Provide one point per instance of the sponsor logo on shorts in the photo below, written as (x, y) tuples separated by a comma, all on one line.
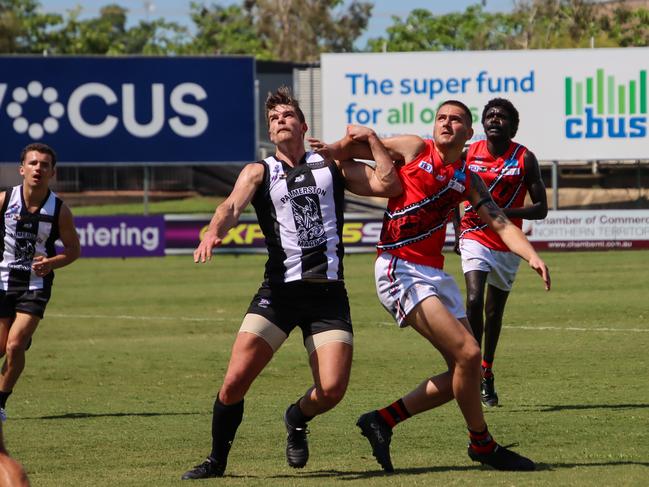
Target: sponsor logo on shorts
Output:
[(264, 303)]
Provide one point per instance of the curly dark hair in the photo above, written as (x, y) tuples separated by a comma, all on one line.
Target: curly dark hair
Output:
[(283, 96), (38, 147), (506, 105)]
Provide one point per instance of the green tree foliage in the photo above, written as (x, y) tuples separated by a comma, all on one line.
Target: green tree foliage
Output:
[(533, 24), (469, 30), (627, 28), (299, 30), (24, 29), (225, 30), (287, 30)]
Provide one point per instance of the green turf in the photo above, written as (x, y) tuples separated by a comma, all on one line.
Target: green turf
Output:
[(119, 383), (197, 204)]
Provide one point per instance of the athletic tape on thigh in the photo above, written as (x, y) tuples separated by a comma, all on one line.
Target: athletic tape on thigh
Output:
[(319, 339), (260, 326)]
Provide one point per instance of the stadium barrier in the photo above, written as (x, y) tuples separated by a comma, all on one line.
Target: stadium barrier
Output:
[(158, 235)]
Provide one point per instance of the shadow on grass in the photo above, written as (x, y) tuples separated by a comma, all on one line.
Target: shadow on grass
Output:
[(548, 408), (364, 474), (104, 415), (356, 475), (557, 466)]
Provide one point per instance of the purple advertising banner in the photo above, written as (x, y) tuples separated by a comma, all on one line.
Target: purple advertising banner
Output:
[(121, 236), (183, 233)]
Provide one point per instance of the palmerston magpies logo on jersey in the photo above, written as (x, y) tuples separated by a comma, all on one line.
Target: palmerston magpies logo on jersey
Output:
[(24, 254), (310, 230)]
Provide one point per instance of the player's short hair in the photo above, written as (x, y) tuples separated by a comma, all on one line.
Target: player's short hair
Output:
[(38, 147), (506, 105), (465, 109), (283, 96)]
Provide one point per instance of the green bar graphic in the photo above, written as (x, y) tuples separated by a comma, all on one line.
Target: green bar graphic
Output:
[(622, 98), (632, 95), (579, 98), (611, 95), (600, 91), (589, 91), (568, 96), (643, 91)]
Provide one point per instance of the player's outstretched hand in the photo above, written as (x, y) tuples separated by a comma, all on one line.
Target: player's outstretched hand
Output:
[(203, 252), (320, 147), (359, 133), (542, 270)]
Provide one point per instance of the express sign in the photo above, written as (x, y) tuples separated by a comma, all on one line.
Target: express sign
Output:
[(105, 110)]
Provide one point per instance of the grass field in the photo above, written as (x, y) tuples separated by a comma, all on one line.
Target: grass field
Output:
[(119, 383)]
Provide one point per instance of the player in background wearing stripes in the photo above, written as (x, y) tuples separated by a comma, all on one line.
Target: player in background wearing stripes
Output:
[(415, 290), (510, 171), (33, 218), (298, 197)]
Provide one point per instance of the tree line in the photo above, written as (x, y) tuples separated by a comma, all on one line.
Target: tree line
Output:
[(299, 30)]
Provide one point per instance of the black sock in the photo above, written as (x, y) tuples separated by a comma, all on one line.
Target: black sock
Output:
[(296, 417), (225, 421), (3, 398)]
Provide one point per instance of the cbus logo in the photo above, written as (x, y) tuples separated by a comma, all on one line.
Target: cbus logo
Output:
[(597, 108), (36, 109)]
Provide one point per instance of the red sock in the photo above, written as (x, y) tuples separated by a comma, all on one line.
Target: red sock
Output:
[(394, 413), (482, 442), (486, 368)]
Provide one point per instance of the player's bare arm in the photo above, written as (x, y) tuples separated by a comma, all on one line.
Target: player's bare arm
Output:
[(538, 210), (71, 247), (401, 148), (511, 235), (227, 213), (361, 179)]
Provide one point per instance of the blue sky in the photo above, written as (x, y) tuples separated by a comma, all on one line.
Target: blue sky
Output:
[(178, 10)]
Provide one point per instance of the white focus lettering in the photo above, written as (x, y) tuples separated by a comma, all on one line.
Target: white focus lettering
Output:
[(74, 110), (157, 111), (190, 110)]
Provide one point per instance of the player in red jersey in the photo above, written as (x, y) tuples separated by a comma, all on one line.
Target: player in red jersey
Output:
[(509, 171), (413, 287)]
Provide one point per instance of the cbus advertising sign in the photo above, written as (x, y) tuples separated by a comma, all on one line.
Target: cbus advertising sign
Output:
[(129, 109), (588, 104)]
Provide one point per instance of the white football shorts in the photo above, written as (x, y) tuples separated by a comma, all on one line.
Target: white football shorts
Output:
[(401, 285), (501, 266)]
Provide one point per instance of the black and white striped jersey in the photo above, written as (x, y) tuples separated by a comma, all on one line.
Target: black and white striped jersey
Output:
[(24, 236), (300, 212)]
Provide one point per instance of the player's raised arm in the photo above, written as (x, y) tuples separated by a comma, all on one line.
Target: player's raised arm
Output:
[(360, 178), (400, 148), (510, 234), (227, 213)]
